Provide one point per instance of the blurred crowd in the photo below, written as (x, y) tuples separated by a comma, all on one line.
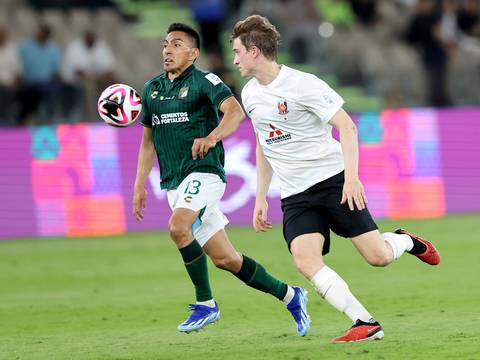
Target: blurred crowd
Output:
[(438, 30), (40, 84), (409, 52)]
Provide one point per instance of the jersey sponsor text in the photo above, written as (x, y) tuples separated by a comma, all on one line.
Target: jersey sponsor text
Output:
[(170, 118)]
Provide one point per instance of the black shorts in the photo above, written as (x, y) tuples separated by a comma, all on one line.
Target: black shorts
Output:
[(318, 210)]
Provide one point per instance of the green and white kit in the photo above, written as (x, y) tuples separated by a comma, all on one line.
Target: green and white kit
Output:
[(201, 192)]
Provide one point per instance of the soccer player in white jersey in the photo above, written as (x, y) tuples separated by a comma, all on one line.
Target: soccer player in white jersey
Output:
[(293, 113)]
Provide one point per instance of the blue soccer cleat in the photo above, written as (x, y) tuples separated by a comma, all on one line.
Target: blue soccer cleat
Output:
[(298, 308), (201, 316)]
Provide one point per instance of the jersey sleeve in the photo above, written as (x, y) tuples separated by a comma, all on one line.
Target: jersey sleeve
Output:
[(215, 89), (246, 106), (146, 116), (244, 98), (319, 98)]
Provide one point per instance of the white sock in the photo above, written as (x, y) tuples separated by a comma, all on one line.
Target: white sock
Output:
[(335, 290), (399, 243), (209, 303), (289, 295)]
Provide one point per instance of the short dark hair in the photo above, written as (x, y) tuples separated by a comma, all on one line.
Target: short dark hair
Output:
[(191, 32)]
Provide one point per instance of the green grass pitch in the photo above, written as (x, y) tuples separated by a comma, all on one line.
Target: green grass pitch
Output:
[(122, 298)]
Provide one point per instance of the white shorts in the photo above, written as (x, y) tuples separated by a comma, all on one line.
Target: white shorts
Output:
[(201, 191)]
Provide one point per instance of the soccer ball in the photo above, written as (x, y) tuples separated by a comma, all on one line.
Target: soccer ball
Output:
[(119, 105)]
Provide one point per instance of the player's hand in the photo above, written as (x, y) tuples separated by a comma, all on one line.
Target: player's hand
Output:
[(201, 146), (260, 219), (354, 194), (139, 203)]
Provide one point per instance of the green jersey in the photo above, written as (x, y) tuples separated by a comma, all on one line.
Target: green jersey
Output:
[(178, 112)]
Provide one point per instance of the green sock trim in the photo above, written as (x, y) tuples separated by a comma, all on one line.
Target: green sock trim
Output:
[(198, 258), (196, 264), (254, 275), (191, 252), (248, 269)]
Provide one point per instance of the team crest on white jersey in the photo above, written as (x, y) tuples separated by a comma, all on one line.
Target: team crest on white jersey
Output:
[(282, 107)]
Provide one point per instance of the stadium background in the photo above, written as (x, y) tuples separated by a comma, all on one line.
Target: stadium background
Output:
[(68, 175), (77, 179)]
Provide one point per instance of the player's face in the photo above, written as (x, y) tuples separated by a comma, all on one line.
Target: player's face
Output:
[(178, 52), (243, 59)]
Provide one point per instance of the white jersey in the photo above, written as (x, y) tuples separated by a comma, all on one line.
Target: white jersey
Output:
[(290, 117)]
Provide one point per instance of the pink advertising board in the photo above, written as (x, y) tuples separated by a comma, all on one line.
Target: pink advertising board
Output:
[(75, 180)]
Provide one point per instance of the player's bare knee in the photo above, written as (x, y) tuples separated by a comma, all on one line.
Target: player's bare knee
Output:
[(379, 259), (179, 232), (228, 262), (303, 268), (306, 263)]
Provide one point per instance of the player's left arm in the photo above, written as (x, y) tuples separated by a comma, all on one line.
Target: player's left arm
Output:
[(233, 115), (353, 191)]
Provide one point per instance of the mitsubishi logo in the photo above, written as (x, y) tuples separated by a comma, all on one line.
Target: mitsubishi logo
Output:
[(274, 131)]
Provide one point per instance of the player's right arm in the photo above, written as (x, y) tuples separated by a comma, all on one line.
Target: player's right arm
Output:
[(233, 115), (264, 177), (146, 158)]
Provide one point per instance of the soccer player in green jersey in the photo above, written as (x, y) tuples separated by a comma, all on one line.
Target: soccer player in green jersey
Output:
[(182, 130)]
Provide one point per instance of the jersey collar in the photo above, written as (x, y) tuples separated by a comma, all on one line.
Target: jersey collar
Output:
[(275, 81)]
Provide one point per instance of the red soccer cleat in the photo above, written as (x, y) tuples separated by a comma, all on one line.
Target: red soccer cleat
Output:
[(431, 256), (361, 331)]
